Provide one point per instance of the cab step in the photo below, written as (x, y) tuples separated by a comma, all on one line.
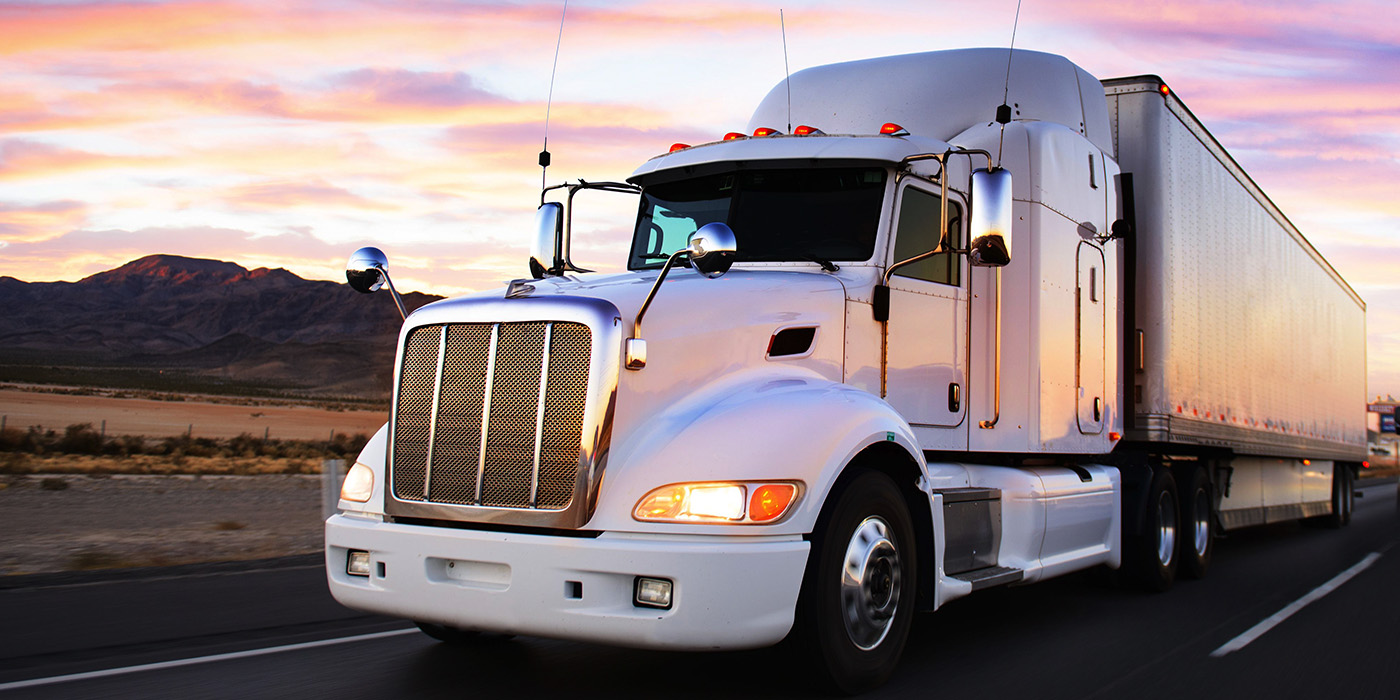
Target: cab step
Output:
[(990, 576)]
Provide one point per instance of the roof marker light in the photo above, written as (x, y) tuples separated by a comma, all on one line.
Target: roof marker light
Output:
[(893, 129), (733, 135), (765, 131), (678, 146), (805, 130), (1164, 89)]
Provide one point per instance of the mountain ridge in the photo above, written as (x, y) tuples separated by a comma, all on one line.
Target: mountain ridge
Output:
[(210, 319)]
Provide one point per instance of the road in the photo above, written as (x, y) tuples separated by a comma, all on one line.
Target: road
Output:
[(274, 632)]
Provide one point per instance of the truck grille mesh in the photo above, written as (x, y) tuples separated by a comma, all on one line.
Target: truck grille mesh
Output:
[(461, 384)]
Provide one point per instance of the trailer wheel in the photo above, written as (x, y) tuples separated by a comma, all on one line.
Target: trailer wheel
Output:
[(1343, 497), (1152, 558), (1197, 526), (857, 600)]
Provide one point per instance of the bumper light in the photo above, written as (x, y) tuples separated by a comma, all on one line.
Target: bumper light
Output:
[(652, 593), (752, 503), (357, 563), (359, 484)]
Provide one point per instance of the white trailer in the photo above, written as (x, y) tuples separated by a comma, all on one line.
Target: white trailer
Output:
[(862, 399)]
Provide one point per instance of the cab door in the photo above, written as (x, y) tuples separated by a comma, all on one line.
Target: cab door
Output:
[(926, 349)]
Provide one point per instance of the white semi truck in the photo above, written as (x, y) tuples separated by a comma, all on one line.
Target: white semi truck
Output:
[(853, 397)]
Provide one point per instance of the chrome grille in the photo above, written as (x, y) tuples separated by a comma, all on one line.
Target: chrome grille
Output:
[(491, 414)]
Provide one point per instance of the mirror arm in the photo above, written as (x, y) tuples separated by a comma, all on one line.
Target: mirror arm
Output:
[(670, 262), (394, 292)]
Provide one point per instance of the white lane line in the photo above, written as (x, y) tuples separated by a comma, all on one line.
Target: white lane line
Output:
[(202, 659), (1258, 630)]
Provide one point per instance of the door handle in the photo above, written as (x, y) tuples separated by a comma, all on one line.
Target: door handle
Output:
[(954, 398)]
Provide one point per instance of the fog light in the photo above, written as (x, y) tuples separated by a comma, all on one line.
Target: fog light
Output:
[(652, 593), (357, 564)]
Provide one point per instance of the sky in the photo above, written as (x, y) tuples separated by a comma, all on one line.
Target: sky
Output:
[(288, 133)]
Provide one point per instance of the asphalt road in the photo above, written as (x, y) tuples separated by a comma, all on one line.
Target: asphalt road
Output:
[(276, 633)]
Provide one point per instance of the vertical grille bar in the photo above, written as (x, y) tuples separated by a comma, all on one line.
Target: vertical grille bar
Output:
[(486, 406), (433, 414), (539, 415)]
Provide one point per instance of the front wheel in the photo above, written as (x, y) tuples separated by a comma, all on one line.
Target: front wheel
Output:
[(857, 600)]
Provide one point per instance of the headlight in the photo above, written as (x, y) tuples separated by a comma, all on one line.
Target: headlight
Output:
[(718, 502), (359, 484)]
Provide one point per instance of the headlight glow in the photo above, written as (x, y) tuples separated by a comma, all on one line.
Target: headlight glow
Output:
[(359, 484), (718, 502)]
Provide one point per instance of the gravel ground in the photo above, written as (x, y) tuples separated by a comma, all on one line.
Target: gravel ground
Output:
[(64, 522)]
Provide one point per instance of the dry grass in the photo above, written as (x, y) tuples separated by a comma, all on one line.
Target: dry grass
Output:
[(159, 464)]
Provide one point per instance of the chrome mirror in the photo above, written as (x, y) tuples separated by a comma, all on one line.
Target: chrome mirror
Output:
[(544, 247), (365, 270), (368, 270), (990, 222), (712, 249)]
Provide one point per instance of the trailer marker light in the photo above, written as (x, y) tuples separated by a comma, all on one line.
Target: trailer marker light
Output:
[(1307, 462), (678, 147), (357, 563), (1115, 437), (893, 129), (765, 131), (805, 130), (733, 135), (652, 593), (1366, 465)]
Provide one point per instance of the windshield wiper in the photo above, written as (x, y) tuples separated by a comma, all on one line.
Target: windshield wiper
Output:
[(823, 262)]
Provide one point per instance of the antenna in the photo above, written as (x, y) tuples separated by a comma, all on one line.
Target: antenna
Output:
[(1004, 111), (544, 154), (787, 72)]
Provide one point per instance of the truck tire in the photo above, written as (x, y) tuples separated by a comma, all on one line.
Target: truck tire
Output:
[(1343, 498), (858, 594), (454, 636), (1151, 560), (1197, 531)]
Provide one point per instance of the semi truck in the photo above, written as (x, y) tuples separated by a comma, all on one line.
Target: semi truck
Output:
[(964, 326)]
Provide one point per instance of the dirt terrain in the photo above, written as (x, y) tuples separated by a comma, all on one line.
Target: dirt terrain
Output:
[(127, 416), (65, 522)]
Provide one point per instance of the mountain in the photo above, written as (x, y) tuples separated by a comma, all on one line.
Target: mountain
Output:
[(208, 320)]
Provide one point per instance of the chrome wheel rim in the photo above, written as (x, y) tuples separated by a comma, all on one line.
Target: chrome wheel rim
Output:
[(1166, 528), (870, 574), (1202, 515)]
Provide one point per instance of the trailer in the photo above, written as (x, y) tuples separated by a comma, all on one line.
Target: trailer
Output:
[(927, 343)]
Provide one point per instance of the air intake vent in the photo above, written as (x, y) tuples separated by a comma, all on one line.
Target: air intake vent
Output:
[(791, 341)]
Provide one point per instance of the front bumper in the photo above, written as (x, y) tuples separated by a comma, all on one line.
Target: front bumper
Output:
[(729, 592)]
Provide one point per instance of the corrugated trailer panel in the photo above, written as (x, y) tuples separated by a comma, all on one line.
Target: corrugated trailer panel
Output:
[(1251, 340)]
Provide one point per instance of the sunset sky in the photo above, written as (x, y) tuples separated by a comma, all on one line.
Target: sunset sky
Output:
[(288, 133)]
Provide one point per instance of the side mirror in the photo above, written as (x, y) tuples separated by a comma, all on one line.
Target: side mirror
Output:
[(712, 249), (365, 270), (368, 270), (544, 248), (990, 223)]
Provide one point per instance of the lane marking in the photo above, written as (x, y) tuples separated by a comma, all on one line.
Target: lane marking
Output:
[(203, 659), (1258, 630)]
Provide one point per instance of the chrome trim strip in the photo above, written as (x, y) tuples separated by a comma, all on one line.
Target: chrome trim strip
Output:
[(539, 413), (486, 406), (432, 417)]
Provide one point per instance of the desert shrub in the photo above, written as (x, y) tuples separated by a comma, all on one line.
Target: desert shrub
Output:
[(80, 439)]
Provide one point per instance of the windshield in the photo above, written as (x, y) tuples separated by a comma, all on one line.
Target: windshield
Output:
[(777, 214)]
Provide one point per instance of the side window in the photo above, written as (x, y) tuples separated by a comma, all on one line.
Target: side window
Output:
[(917, 232)]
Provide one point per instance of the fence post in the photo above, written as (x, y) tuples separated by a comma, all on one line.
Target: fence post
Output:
[(332, 474)]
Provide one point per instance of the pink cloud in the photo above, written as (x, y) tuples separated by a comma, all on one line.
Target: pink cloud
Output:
[(287, 195)]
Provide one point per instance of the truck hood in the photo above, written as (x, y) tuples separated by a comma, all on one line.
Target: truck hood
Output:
[(703, 335)]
